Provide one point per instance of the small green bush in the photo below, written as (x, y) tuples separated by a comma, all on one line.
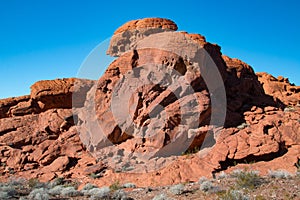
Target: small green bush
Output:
[(248, 179), (115, 186), (34, 183)]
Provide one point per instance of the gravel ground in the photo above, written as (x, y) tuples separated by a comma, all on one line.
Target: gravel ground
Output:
[(236, 186)]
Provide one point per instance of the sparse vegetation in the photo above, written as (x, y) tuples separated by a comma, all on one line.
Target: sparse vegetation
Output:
[(202, 179), (161, 197), (129, 185), (39, 194), (177, 189), (233, 195), (33, 182), (239, 185), (115, 186), (98, 193), (222, 175), (248, 179), (7, 192), (89, 186), (55, 191), (206, 186), (119, 195), (281, 174), (70, 192)]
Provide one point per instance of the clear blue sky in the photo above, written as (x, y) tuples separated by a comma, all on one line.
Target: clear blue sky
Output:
[(49, 39)]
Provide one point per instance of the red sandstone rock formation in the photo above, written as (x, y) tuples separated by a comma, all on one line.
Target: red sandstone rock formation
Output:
[(53, 132)]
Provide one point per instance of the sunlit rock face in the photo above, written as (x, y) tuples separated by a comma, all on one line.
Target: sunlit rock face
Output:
[(166, 94)]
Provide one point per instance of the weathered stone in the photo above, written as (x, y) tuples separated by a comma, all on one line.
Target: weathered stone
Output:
[(42, 136)]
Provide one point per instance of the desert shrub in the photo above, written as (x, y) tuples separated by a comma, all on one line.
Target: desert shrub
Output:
[(56, 190), (70, 192), (56, 182), (119, 195), (233, 195), (10, 191), (115, 186), (235, 173), (35, 183), (281, 174), (16, 181), (85, 190), (222, 175), (89, 186), (160, 197), (202, 179), (59, 181), (74, 184), (98, 193), (39, 194), (248, 179), (4, 195), (205, 186), (129, 185), (177, 189)]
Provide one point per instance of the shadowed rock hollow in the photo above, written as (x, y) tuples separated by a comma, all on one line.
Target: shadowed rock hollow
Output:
[(153, 103)]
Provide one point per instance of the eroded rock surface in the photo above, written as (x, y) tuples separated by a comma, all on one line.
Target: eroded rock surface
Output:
[(280, 88), (152, 104)]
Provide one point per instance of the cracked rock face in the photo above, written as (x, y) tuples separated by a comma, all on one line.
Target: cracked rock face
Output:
[(151, 104)]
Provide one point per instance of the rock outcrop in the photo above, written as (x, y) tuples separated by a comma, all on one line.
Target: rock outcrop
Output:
[(280, 88), (126, 36), (166, 95)]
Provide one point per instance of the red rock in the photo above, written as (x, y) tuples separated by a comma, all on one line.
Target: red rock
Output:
[(6, 104), (94, 169), (147, 23), (58, 93), (58, 165), (280, 89), (40, 138)]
